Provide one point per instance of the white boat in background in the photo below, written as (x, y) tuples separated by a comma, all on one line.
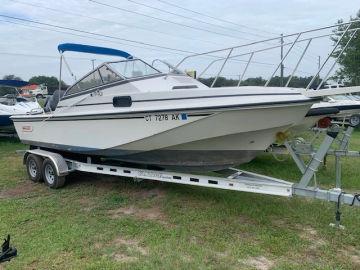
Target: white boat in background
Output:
[(348, 106), (12, 104), (332, 109)]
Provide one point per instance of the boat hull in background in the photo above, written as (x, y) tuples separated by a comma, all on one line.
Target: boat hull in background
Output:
[(6, 111), (6, 125)]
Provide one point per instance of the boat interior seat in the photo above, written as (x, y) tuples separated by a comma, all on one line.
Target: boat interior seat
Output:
[(21, 99), (51, 102)]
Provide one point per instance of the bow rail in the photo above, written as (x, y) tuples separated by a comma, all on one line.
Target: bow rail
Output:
[(316, 33)]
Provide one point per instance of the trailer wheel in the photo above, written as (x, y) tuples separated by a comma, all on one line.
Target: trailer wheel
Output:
[(34, 167), (50, 175), (354, 120)]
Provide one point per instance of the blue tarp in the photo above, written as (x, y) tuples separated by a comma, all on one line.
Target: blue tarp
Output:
[(92, 49), (13, 83)]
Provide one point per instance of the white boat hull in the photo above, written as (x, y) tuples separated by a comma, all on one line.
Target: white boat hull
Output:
[(194, 139)]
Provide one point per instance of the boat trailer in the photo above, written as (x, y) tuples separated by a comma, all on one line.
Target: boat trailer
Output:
[(298, 148), (53, 168)]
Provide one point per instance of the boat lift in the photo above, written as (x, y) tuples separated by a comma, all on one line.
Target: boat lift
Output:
[(53, 168)]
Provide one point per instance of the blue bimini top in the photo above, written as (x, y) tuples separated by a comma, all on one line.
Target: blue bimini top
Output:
[(72, 47), (13, 83)]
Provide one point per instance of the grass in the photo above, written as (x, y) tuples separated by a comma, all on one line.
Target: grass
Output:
[(99, 222)]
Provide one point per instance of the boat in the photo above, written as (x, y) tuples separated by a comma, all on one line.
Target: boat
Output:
[(316, 117), (344, 109), (348, 106), (129, 111), (12, 104)]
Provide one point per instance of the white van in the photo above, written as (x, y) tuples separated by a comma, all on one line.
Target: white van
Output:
[(40, 92)]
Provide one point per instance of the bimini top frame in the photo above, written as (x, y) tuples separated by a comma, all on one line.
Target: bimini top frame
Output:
[(298, 39), (73, 47)]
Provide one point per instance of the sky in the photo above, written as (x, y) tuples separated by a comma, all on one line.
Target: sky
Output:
[(28, 49)]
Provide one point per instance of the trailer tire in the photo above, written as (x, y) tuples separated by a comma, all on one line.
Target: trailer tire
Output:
[(51, 178), (34, 167), (355, 120)]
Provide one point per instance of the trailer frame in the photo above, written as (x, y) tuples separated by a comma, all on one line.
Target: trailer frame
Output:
[(235, 179)]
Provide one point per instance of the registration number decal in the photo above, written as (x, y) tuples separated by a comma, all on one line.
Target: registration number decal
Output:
[(166, 117)]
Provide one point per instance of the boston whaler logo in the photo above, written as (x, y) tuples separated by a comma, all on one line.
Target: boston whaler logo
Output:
[(27, 129)]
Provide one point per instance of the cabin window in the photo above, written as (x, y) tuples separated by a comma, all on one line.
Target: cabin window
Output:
[(124, 101), (90, 81), (133, 68), (108, 75)]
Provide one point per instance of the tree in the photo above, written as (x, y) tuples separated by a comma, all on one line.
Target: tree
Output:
[(349, 61), (52, 82), (12, 77)]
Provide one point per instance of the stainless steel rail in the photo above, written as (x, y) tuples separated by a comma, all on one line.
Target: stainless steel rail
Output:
[(297, 40)]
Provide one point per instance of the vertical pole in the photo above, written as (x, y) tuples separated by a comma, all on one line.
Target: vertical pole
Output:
[(61, 58), (319, 65), (282, 63), (338, 170), (93, 63)]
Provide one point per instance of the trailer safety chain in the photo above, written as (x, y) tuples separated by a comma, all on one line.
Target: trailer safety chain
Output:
[(356, 197), (277, 158)]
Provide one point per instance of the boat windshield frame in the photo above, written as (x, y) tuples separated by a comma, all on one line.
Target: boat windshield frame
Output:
[(108, 65), (132, 60)]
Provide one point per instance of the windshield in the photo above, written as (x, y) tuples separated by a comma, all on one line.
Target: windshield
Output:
[(7, 95), (340, 97), (356, 97), (133, 68)]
